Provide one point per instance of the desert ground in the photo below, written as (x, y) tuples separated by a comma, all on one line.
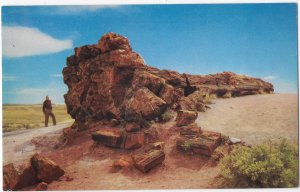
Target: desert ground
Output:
[(22, 117), (254, 119)]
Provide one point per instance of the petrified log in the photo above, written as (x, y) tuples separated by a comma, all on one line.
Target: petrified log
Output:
[(134, 140), (204, 146), (185, 117), (146, 161), (47, 170), (190, 131), (107, 80), (211, 135), (108, 137)]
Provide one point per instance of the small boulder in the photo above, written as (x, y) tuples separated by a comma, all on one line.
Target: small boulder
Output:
[(123, 162), (17, 177), (148, 160), (190, 131), (134, 140), (211, 135), (185, 117), (47, 170), (41, 186), (109, 137)]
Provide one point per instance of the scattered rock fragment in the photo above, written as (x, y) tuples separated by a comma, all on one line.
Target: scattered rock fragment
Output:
[(185, 117), (123, 162), (108, 137), (190, 131), (134, 140), (17, 177), (47, 171), (149, 157), (233, 140)]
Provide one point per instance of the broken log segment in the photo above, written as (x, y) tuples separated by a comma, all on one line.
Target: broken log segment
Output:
[(108, 137), (146, 161)]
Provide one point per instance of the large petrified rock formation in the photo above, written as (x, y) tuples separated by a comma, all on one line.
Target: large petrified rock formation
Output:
[(110, 81)]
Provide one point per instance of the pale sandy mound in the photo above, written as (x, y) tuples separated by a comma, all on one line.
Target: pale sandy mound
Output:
[(255, 118)]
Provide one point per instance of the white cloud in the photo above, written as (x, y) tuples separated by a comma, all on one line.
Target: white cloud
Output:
[(76, 9), (21, 41), (270, 77), (8, 77), (56, 75)]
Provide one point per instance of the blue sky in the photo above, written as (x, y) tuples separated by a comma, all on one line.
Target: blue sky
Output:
[(258, 40)]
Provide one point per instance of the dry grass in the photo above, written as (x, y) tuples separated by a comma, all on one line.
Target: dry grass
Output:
[(18, 117)]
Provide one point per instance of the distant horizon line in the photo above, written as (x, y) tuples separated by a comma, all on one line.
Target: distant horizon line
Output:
[(296, 93)]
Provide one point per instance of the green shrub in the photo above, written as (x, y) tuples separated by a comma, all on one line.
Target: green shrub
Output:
[(208, 98), (167, 116), (265, 165)]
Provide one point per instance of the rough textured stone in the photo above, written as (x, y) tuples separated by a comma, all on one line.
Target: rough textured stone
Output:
[(148, 159), (134, 140), (123, 162), (190, 131), (108, 80), (17, 177), (47, 170), (146, 103), (108, 137), (185, 117)]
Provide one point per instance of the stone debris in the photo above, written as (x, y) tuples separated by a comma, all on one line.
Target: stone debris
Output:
[(17, 177), (46, 170), (149, 156), (185, 117), (109, 137), (28, 173), (202, 144), (233, 140)]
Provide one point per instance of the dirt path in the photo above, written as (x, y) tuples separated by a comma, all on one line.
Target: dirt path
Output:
[(17, 145)]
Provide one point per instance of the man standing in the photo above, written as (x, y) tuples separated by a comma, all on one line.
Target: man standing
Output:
[(47, 109)]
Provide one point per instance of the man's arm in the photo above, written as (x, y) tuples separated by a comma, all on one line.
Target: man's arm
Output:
[(44, 107)]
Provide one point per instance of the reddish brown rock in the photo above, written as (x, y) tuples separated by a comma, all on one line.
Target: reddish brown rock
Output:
[(41, 186), (47, 170), (146, 103), (113, 41), (190, 131), (107, 80), (170, 95), (134, 140), (148, 160), (108, 137), (123, 162), (211, 135), (185, 117), (197, 145), (17, 177)]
